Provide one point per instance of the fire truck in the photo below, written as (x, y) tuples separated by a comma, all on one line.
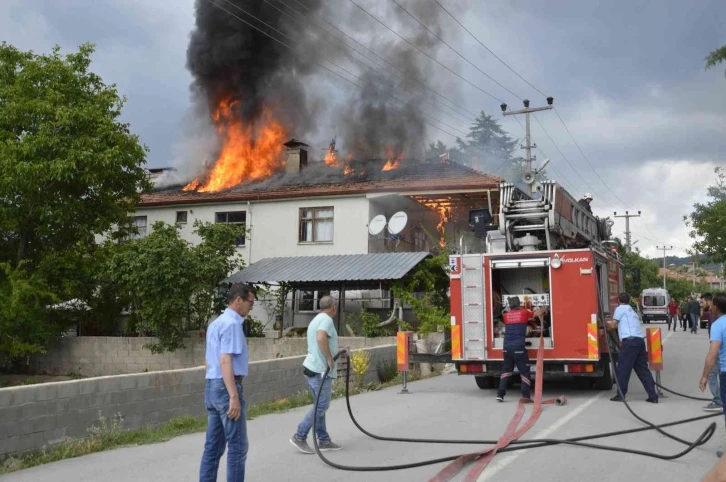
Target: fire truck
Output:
[(551, 252)]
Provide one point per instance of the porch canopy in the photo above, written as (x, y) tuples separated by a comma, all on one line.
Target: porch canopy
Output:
[(359, 270), (344, 272)]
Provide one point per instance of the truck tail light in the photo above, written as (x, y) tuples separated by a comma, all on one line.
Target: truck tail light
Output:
[(473, 368), (583, 368)]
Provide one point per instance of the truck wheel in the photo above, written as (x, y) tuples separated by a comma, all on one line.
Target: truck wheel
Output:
[(605, 382), (486, 382)]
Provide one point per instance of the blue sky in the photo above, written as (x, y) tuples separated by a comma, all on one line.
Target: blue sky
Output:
[(628, 79)]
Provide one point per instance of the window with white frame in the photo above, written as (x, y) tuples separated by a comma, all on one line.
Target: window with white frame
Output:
[(232, 217), (316, 225), (309, 300)]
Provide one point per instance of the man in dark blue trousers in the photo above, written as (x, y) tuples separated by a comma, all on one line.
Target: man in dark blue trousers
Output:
[(633, 355)]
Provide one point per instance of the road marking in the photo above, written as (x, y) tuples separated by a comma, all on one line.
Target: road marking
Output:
[(508, 459), (503, 462)]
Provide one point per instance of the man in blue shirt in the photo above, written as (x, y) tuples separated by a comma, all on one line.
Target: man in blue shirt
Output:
[(717, 349), (632, 351), (227, 363)]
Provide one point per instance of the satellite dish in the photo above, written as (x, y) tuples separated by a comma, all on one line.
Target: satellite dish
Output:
[(538, 187), (397, 223), (377, 224)]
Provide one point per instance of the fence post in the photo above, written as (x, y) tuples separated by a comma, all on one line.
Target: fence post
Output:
[(403, 350)]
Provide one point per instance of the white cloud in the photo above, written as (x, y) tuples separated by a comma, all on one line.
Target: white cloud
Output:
[(664, 192)]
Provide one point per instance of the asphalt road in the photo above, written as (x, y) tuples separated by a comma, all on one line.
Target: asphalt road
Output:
[(449, 406)]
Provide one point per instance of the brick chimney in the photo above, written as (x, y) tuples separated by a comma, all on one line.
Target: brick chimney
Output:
[(297, 156)]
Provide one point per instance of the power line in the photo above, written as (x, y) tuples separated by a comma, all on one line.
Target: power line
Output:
[(542, 93), (607, 186), (488, 49), (424, 53), (454, 50), (588, 160), (567, 160), (318, 63)]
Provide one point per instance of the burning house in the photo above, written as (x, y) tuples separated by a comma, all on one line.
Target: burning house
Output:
[(314, 208)]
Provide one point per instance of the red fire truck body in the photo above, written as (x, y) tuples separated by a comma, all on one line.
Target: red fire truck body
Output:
[(567, 278)]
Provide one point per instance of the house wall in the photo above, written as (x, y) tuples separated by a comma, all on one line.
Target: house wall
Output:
[(274, 225), (35, 416), (104, 355), (419, 217)]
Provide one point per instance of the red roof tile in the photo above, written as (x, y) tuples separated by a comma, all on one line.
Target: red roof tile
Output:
[(321, 180)]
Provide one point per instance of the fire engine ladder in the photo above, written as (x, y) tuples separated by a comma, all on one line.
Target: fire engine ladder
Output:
[(474, 314), (520, 213)]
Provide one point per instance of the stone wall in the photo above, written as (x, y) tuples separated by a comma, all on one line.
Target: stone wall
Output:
[(35, 416), (101, 355)]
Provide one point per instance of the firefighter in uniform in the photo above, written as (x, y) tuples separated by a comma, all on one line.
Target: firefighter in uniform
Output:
[(516, 320)]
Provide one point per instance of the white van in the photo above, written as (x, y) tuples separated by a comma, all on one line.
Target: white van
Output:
[(654, 304)]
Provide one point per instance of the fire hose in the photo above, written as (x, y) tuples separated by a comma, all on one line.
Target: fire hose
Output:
[(509, 442)]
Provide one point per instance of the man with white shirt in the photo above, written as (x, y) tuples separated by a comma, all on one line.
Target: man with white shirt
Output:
[(633, 355)]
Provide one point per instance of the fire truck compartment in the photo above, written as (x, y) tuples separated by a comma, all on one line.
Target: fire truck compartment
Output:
[(529, 280)]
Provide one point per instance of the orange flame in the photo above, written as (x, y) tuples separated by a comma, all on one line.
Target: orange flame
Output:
[(249, 151), (330, 158), (443, 218), (391, 165), (347, 170), (392, 162)]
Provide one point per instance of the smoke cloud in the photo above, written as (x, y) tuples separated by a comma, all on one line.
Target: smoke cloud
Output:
[(232, 60)]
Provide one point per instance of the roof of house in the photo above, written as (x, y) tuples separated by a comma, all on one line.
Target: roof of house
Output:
[(321, 180), (332, 269)]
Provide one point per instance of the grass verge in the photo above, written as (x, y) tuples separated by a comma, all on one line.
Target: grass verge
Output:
[(110, 434)]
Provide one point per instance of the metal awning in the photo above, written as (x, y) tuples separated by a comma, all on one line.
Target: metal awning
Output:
[(344, 268)]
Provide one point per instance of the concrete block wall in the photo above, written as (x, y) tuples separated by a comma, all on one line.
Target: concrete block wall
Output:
[(100, 356), (35, 416)]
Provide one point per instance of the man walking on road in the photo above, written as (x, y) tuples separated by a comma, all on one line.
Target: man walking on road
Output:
[(717, 348), (694, 314), (716, 404), (632, 352), (673, 314), (227, 363), (516, 321), (322, 346)]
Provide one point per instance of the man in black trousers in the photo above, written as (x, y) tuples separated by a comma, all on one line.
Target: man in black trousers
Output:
[(632, 352)]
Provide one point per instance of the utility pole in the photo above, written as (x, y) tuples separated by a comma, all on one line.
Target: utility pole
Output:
[(627, 226), (694, 275), (664, 262), (529, 174)]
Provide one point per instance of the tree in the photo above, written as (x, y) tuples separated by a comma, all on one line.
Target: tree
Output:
[(174, 286), (706, 222), (486, 147), (716, 57), (425, 290), (71, 171), (216, 258)]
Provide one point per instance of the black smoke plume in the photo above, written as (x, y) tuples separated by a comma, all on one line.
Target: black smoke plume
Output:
[(233, 60)]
